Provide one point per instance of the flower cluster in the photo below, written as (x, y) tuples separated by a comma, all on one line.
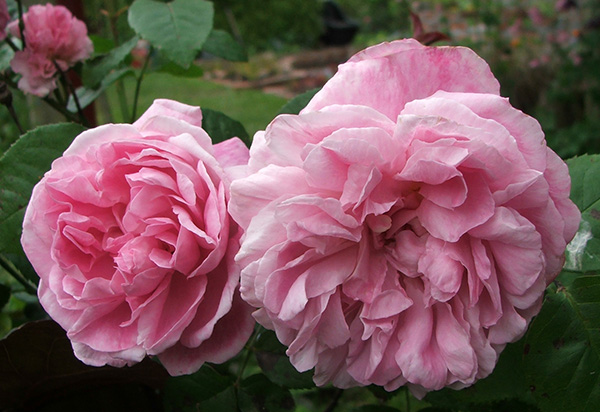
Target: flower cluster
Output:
[(55, 40), (400, 230)]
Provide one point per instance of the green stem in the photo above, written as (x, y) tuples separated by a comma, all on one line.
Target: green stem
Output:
[(112, 21), (6, 99), (407, 393), (247, 355), (123, 105), (334, 401), (11, 44), (21, 24), (51, 102), (13, 114), (71, 90), (59, 108), (15, 273), (138, 85)]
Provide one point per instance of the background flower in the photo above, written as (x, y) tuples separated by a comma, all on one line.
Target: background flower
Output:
[(402, 229), (4, 19), (130, 235), (52, 37)]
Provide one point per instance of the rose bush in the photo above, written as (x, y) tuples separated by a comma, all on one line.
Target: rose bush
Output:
[(402, 228), (130, 235), (53, 37)]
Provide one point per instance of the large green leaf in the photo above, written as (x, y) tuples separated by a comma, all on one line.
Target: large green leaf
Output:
[(271, 357), (505, 382), (183, 393), (298, 103), (97, 70), (257, 393), (21, 167), (6, 55), (221, 127), (87, 95), (583, 253), (178, 28), (563, 358), (221, 44), (562, 361)]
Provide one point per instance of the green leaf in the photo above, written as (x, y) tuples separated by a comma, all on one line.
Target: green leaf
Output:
[(222, 44), (562, 361), (271, 357), (225, 401), (178, 28), (298, 103), (562, 364), (6, 55), (257, 393), (193, 71), (95, 72), (506, 381), (221, 127), (23, 265), (21, 167), (186, 392), (87, 95), (102, 45), (583, 253)]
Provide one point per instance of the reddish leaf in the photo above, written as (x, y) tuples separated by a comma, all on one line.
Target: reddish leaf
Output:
[(423, 37)]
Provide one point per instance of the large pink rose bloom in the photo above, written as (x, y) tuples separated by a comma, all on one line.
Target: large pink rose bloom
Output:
[(130, 235), (52, 37), (402, 229), (4, 19)]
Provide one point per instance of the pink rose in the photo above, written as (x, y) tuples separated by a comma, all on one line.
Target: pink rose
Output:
[(52, 36), (4, 19), (38, 73), (402, 229), (130, 235)]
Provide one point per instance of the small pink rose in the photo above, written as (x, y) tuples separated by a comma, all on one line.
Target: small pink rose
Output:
[(130, 235), (52, 36), (402, 229), (38, 73)]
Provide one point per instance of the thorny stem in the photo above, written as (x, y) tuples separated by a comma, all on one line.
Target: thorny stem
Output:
[(407, 393), (139, 84), (15, 273)]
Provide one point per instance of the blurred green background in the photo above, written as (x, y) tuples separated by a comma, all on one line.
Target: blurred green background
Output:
[(545, 54)]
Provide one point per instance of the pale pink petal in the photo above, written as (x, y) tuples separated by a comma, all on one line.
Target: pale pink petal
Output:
[(415, 72)]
